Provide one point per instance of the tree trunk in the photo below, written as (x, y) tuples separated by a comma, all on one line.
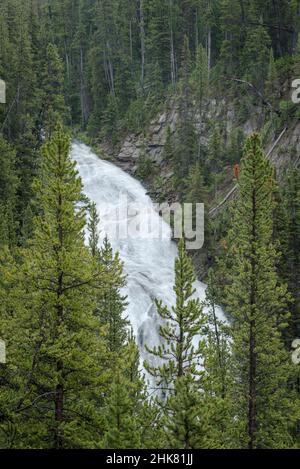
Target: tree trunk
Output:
[(130, 40), (83, 94), (172, 48), (59, 406), (209, 48), (67, 62), (143, 50), (279, 28), (220, 359), (59, 392), (252, 411)]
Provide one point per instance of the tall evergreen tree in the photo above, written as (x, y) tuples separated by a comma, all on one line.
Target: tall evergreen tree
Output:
[(257, 303), (289, 234), (272, 85), (179, 357), (93, 228), (59, 350), (54, 108), (125, 403), (186, 423), (181, 350), (256, 54), (200, 76), (8, 194), (112, 304)]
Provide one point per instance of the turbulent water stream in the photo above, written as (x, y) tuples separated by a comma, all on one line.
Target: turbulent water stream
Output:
[(148, 263)]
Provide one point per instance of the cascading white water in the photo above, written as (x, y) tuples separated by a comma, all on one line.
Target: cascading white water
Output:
[(148, 263)]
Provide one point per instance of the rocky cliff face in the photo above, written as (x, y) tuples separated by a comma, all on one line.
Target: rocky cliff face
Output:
[(151, 145), (283, 148), (287, 151)]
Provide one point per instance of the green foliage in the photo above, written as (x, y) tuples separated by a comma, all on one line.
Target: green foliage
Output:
[(215, 149), (168, 152), (93, 228), (125, 403), (110, 120), (272, 84), (8, 197), (183, 324), (185, 426), (111, 304), (256, 54), (55, 346), (72, 377), (53, 108), (257, 302), (195, 192), (186, 150), (200, 76), (288, 229), (180, 355), (145, 166), (235, 147)]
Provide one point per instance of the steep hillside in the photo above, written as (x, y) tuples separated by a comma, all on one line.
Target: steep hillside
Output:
[(282, 147)]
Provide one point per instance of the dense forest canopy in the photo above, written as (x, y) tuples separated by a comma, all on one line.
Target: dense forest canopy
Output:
[(101, 70)]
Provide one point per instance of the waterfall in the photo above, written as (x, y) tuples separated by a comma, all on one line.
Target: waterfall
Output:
[(148, 263)]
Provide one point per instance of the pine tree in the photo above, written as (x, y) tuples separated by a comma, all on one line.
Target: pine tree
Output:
[(186, 138), (93, 228), (218, 371), (215, 149), (196, 193), (296, 67), (18, 67), (200, 77), (158, 39), (112, 304), (8, 196), (11, 389), (181, 350), (207, 16), (218, 362), (53, 108), (257, 303), (190, 400), (123, 431), (186, 428), (59, 349), (168, 152), (287, 231), (186, 152), (110, 119), (288, 226), (233, 32), (154, 86), (256, 54), (125, 402), (235, 147), (185, 71), (272, 83)]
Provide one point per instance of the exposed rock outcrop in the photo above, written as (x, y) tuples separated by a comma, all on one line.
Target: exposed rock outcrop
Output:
[(150, 145)]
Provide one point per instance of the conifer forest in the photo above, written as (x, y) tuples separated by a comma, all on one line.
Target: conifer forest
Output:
[(113, 112)]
